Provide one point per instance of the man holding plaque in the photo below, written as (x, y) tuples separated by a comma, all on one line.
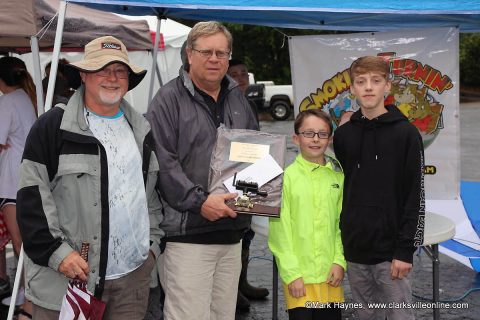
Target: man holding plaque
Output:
[(201, 261)]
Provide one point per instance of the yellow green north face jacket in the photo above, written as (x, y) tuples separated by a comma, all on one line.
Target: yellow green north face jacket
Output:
[(306, 239)]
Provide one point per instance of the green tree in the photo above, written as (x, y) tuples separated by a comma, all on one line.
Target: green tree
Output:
[(470, 59), (265, 50)]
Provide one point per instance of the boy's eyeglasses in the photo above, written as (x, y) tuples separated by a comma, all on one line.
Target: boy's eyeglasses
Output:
[(209, 53), (311, 134), (119, 73)]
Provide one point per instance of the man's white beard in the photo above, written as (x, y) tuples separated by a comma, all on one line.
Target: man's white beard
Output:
[(109, 98)]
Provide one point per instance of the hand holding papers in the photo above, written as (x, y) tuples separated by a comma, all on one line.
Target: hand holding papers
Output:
[(256, 158)]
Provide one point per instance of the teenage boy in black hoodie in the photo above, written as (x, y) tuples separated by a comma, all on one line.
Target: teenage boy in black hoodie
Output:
[(384, 199)]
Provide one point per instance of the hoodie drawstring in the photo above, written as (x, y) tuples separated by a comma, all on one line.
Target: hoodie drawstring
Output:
[(360, 152), (367, 123)]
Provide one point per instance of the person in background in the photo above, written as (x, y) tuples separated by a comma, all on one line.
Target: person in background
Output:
[(239, 72), (383, 212), (184, 57), (17, 115), (201, 261), (88, 175), (66, 82), (306, 240)]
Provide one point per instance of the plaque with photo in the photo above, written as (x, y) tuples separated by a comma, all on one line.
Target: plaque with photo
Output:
[(251, 164)]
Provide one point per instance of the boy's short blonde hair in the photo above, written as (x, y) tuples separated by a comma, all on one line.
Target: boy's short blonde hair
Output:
[(368, 64)]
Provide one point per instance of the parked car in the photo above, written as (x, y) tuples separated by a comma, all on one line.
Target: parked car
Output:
[(276, 99)]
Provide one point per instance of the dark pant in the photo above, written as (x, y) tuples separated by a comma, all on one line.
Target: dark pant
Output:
[(127, 297), (315, 314), (247, 239)]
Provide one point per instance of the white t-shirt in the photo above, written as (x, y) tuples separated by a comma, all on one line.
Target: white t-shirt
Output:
[(17, 116), (129, 240)]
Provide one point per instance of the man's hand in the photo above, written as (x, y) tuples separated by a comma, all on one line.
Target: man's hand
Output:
[(297, 288), (215, 208), (400, 269), (335, 276), (73, 266)]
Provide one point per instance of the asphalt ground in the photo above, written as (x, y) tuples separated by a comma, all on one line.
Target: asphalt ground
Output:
[(455, 281)]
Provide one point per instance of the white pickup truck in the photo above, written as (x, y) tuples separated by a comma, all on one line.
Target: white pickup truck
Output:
[(277, 99)]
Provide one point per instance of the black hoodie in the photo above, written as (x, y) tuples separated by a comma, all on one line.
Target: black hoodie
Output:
[(384, 198)]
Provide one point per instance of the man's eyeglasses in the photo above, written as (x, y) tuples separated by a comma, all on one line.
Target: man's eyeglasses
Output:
[(120, 73), (311, 134), (209, 53)]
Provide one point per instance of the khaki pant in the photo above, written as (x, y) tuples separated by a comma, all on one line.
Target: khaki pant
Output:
[(126, 297), (373, 283), (200, 280)]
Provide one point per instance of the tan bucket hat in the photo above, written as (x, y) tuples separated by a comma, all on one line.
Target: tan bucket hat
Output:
[(104, 51)]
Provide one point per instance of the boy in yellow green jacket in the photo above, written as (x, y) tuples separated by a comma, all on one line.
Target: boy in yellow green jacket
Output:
[(306, 240)]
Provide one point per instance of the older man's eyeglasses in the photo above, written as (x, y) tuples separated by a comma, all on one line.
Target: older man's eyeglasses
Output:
[(120, 73), (209, 53), (311, 134)]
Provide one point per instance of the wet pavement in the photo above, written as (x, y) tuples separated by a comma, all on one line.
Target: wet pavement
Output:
[(457, 282)]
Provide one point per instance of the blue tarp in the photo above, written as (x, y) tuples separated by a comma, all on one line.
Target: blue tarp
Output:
[(466, 251), (355, 15), (470, 192)]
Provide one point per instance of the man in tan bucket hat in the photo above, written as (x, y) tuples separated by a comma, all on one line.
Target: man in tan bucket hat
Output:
[(107, 50), (88, 176)]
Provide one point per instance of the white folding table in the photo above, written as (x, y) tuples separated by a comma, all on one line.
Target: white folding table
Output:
[(437, 229)]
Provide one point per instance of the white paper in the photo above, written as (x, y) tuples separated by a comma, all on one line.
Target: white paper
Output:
[(260, 172)]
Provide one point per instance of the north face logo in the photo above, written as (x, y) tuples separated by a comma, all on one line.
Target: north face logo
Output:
[(109, 45), (335, 185)]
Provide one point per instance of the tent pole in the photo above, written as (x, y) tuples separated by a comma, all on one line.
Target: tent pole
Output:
[(164, 56), (37, 74), (159, 76), (56, 53), (154, 60), (16, 284)]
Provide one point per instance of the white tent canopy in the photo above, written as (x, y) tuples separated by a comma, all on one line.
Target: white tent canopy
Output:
[(174, 35)]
